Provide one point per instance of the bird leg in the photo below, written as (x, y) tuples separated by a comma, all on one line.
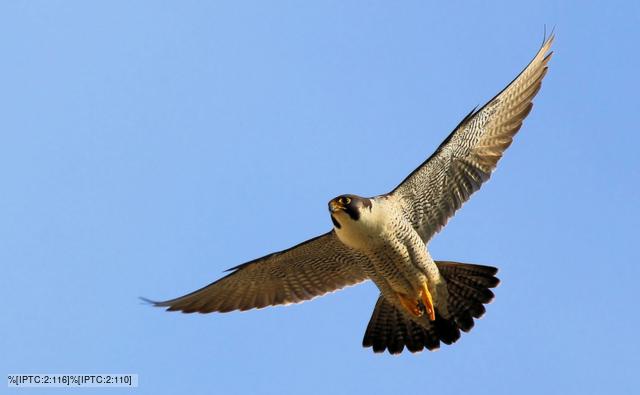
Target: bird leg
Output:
[(425, 295), (411, 305), (421, 306)]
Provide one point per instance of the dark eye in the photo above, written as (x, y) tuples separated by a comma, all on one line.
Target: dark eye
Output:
[(347, 200)]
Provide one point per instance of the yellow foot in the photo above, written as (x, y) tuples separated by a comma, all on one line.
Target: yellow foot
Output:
[(425, 295), (421, 306), (411, 305)]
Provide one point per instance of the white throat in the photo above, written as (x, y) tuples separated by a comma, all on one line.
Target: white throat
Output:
[(366, 230)]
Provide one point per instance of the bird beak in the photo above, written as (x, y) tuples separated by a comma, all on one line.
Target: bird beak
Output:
[(335, 206)]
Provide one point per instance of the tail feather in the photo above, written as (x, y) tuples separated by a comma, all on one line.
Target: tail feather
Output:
[(468, 285), (390, 329), (466, 291)]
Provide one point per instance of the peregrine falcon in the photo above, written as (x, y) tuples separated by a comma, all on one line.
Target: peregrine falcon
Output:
[(422, 302)]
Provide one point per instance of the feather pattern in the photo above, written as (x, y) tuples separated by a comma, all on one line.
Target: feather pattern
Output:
[(468, 286), (432, 193), (310, 269)]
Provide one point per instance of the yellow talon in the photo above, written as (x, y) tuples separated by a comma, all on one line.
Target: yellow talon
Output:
[(428, 302), (421, 306), (411, 305)]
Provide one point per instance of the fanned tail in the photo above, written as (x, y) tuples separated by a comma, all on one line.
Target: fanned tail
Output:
[(469, 289)]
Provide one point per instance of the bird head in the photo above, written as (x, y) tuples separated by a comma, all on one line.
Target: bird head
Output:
[(347, 208)]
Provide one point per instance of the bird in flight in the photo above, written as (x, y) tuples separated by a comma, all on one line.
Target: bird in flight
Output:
[(422, 302)]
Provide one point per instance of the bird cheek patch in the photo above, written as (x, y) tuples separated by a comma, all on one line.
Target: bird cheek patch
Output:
[(353, 212)]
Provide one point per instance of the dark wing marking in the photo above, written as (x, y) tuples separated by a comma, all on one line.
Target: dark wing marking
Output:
[(313, 268), (432, 193)]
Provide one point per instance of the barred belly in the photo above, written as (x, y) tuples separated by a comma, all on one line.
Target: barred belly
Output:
[(401, 266), (397, 267)]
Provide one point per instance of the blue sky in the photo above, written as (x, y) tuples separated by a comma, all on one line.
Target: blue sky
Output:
[(148, 146)]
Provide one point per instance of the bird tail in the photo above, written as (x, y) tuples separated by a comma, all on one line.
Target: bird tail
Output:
[(469, 288)]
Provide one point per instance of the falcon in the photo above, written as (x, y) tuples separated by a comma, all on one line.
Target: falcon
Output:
[(422, 302)]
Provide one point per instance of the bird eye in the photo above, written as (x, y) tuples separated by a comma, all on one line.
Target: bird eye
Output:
[(347, 200)]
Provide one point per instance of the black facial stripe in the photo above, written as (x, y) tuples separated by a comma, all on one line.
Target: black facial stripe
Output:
[(335, 222), (353, 211), (353, 208)]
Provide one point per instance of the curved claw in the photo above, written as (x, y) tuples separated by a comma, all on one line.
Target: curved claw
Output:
[(411, 305), (421, 306), (427, 300)]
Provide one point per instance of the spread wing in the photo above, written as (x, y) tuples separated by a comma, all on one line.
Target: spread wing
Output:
[(313, 268), (434, 191)]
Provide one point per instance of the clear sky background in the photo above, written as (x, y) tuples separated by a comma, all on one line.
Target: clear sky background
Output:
[(148, 146)]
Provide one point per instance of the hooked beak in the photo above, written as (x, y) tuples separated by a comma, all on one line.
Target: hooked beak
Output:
[(334, 206)]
